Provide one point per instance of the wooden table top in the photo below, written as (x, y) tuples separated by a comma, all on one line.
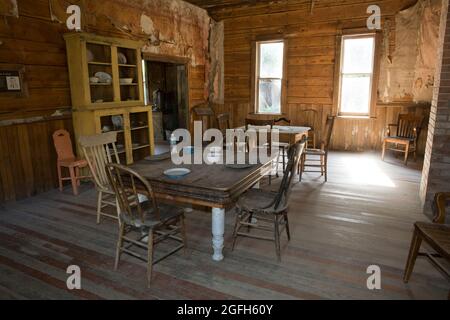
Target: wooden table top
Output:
[(288, 129), (210, 185)]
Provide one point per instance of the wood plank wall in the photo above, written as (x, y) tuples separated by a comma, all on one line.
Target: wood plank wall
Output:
[(311, 45), (27, 156)]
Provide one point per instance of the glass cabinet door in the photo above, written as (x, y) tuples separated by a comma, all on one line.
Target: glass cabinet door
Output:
[(100, 73)]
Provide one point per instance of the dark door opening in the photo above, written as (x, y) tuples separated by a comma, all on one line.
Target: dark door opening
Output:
[(166, 92)]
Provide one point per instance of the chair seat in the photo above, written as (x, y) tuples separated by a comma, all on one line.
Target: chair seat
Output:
[(397, 138), (258, 200), (73, 162), (437, 235), (314, 152), (167, 212)]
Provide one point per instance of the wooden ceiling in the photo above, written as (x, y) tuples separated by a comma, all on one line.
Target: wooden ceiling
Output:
[(222, 9)]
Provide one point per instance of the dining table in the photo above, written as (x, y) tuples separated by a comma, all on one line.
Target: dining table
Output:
[(215, 186), (288, 134)]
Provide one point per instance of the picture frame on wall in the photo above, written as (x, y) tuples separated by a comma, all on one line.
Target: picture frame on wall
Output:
[(12, 81)]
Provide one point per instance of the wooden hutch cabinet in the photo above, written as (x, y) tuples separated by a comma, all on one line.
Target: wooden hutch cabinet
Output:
[(107, 91)]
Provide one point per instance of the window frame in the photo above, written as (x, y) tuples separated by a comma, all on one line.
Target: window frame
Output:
[(256, 75), (351, 34)]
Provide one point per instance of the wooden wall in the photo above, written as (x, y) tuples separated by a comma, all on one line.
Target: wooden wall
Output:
[(311, 46), (34, 39)]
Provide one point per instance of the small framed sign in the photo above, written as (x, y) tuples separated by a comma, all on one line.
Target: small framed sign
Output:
[(11, 80)]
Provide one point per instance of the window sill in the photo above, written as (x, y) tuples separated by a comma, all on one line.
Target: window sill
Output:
[(268, 114), (367, 117)]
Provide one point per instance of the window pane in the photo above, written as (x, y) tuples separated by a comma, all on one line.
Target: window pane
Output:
[(271, 60), (270, 96), (355, 94), (358, 55)]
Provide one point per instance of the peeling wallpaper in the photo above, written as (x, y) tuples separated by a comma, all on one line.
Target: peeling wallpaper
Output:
[(169, 27), (407, 74)]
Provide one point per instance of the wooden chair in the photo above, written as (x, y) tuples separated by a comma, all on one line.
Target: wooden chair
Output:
[(223, 123), (436, 235), (407, 133), (309, 118), (100, 150), (148, 219), (205, 114), (67, 159), (268, 209), (309, 157)]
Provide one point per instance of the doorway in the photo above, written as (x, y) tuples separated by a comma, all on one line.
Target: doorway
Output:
[(167, 92)]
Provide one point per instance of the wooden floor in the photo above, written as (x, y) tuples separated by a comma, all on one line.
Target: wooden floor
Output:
[(363, 216)]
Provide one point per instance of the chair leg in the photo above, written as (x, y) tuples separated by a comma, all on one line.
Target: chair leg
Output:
[(326, 167), (321, 165), (73, 180), (150, 258), (276, 167), (413, 252), (119, 246), (383, 151), (277, 238), (183, 233), (99, 205), (60, 177), (302, 166), (284, 160), (406, 154), (77, 173), (236, 228), (288, 231)]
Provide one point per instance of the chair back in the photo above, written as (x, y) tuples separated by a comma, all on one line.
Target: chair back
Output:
[(441, 202), (294, 155), (63, 144), (258, 122), (327, 133), (409, 125), (126, 183), (100, 150), (309, 118), (223, 123), (282, 122), (205, 114)]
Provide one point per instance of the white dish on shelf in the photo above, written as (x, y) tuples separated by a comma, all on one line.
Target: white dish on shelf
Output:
[(103, 77), (117, 122), (121, 58), (126, 80), (94, 80)]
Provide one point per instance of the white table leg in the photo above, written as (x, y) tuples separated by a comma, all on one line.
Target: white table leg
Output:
[(218, 230)]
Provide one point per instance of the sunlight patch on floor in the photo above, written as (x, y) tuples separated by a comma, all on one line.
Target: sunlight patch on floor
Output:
[(366, 171)]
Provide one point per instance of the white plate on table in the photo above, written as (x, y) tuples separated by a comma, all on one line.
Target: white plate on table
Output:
[(177, 173)]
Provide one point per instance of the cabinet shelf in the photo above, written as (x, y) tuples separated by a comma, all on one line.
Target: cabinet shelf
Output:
[(139, 128), (141, 147), (94, 104), (93, 63)]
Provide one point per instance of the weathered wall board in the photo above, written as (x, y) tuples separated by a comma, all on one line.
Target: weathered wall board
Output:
[(31, 33), (311, 61)]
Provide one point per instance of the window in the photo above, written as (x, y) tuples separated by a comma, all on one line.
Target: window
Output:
[(269, 76), (356, 75)]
